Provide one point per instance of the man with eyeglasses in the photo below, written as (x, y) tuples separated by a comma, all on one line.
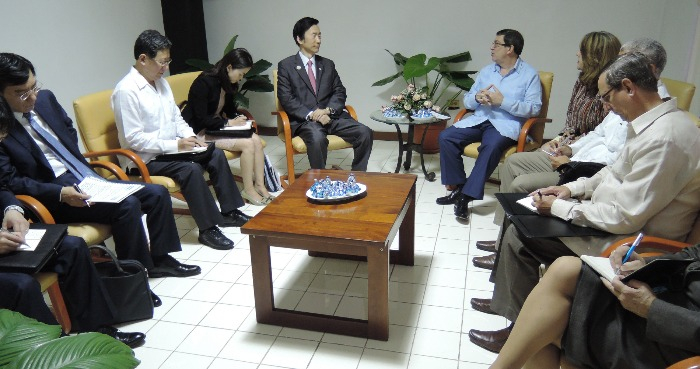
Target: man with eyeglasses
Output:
[(150, 124), (504, 95), (653, 187)]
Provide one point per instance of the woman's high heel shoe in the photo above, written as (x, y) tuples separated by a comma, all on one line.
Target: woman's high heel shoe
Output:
[(252, 200)]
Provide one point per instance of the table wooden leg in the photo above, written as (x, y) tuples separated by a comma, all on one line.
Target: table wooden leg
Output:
[(405, 254), (262, 278), (378, 293)]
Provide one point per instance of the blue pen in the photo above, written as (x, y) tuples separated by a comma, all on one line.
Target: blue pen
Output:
[(636, 243)]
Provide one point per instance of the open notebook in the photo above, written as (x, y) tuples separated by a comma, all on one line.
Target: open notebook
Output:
[(655, 272)]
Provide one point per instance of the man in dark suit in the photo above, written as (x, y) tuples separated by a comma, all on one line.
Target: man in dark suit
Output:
[(88, 303), (310, 91), (30, 166)]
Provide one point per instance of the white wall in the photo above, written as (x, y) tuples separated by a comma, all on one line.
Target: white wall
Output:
[(84, 46), (77, 46), (355, 34)]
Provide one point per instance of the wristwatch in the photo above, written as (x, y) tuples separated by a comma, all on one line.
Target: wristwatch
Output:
[(14, 207), (331, 111)]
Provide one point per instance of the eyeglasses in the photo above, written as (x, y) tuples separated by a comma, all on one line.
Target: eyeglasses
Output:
[(605, 98), (497, 44), (163, 63), (34, 90)]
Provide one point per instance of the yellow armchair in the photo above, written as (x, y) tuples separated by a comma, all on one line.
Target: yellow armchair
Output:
[(682, 91)]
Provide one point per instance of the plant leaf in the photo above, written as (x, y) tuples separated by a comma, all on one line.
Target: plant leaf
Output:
[(19, 333), (199, 64), (386, 80), (417, 67), (241, 100), (87, 350), (257, 85), (398, 58), (461, 79), (258, 67), (231, 45), (458, 58)]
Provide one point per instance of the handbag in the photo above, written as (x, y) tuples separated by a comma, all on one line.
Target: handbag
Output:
[(574, 170), (126, 283), (273, 183), (200, 157)]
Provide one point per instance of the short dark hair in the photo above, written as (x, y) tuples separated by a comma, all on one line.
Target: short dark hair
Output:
[(7, 118), (150, 42), (634, 66), (14, 70), (301, 26), (238, 59), (513, 38)]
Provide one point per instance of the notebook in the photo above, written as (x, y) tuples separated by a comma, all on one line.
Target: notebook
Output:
[(31, 261), (653, 273)]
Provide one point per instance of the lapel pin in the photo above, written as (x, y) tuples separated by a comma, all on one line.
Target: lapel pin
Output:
[(298, 67)]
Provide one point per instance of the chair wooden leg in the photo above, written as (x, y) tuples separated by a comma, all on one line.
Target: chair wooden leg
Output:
[(59, 306)]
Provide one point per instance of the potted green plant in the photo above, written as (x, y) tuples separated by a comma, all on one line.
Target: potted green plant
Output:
[(254, 80), (28, 344), (422, 92)]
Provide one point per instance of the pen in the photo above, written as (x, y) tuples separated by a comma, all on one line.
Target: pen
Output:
[(547, 152), (75, 186), (629, 252), (539, 193), (8, 231)]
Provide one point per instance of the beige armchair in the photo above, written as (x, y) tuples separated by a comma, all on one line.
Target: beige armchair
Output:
[(682, 91)]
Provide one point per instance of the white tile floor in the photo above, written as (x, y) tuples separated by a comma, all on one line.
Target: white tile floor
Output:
[(208, 321)]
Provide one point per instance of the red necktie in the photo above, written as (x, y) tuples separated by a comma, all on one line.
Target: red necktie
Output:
[(312, 78)]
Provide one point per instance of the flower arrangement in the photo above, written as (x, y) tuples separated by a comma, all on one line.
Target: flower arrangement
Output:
[(420, 102)]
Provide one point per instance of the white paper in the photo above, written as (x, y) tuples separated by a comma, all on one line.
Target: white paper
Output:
[(194, 150), (106, 191), (527, 202), (440, 116), (32, 239), (248, 125), (601, 265)]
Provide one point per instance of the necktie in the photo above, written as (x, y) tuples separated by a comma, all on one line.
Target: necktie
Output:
[(75, 166), (312, 78)]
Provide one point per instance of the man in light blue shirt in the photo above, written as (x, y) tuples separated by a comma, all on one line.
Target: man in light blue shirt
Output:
[(504, 95)]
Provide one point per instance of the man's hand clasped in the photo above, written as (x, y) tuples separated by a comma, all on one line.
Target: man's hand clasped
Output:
[(321, 115)]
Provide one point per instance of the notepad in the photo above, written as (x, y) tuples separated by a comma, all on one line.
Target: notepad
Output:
[(107, 191), (656, 272), (248, 125), (32, 239), (601, 265)]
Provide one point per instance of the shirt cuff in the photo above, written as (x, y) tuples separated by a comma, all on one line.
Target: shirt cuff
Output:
[(562, 209), (308, 116), (576, 188), (170, 146)]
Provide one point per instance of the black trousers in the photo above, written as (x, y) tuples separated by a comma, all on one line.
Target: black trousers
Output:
[(190, 177), (125, 218), (314, 136), (87, 301)]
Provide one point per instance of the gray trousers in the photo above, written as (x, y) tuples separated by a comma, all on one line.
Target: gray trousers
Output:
[(516, 271), (525, 172)]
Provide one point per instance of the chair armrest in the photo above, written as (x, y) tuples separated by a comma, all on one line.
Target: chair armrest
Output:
[(351, 111), (689, 363), (648, 243), (37, 208), (250, 117), (110, 167), (140, 165), (461, 114), (525, 131)]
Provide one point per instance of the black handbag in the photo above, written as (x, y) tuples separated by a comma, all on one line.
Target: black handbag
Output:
[(200, 157), (574, 170), (126, 283)]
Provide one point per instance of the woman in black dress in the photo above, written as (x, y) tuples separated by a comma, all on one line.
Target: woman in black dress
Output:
[(211, 105)]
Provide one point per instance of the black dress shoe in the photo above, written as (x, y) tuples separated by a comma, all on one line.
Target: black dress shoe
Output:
[(489, 246), (485, 262), (462, 206), (490, 340), (213, 238), (131, 339), (482, 305), (451, 198), (235, 218), (156, 300), (169, 267)]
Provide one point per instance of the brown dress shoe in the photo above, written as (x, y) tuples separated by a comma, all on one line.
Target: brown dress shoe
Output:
[(485, 262), (490, 340), (489, 246), (482, 305)]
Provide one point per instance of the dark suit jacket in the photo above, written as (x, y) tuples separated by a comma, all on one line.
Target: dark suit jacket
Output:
[(23, 167), (7, 198), (296, 95), (202, 102)]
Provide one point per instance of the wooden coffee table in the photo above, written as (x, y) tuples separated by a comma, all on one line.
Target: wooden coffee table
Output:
[(364, 227)]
